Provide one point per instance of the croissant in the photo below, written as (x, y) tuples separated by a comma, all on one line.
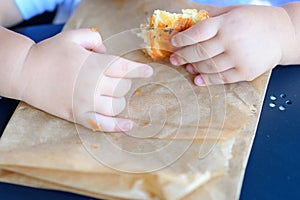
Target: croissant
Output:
[(162, 25)]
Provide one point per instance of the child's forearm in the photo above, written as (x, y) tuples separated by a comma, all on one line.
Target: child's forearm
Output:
[(9, 13), (13, 50), (293, 10)]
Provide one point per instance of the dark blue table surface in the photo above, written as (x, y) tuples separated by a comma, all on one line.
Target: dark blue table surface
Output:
[(273, 170)]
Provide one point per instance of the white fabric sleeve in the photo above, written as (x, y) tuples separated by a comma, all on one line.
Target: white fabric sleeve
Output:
[(30, 8)]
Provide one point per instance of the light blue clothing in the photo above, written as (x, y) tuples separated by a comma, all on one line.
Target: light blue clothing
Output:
[(31, 8)]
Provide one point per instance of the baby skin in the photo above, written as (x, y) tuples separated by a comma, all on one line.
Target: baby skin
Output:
[(239, 43), (68, 75)]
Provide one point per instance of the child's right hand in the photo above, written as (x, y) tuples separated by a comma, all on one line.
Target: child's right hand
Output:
[(70, 76), (237, 43)]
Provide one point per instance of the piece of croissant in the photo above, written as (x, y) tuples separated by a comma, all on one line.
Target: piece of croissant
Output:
[(162, 25)]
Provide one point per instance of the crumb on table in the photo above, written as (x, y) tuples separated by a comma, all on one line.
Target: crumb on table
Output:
[(94, 146), (94, 126), (138, 91)]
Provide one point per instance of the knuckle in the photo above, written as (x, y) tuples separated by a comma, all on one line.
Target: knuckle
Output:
[(199, 51), (197, 32), (186, 38), (123, 87), (198, 67), (118, 105), (206, 67), (247, 75), (212, 68), (102, 81), (215, 68), (178, 38), (201, 67), (224, 79), (127, 85), (125, 67)]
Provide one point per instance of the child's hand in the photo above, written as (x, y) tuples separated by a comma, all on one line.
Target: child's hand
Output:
[(237, 43), (70, 77)]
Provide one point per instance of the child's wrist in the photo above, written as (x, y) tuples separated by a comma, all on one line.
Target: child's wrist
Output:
[(23, 75), (16, 79), (291, 53)]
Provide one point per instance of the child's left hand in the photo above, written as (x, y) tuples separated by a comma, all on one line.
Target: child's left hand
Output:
[(71, 77)]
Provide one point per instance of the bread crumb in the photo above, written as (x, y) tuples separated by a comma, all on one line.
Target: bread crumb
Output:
[(79, 142), (95, 30), (94, 146), (253, 109), (115, 138), (94, 126), (138, 91)]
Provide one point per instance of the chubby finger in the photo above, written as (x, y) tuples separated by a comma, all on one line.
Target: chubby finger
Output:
[(197, 52), (98, 122), (217, 64), (123, 68), (229, 76), (113, 87), (200, 32), (190, 68), (108, 106), (90, 39)]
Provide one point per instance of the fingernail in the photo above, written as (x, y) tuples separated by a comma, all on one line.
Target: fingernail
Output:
[(102, 48), (199, 81), (174, 60), (126, 125), (148, 72), (173, 40), (190, 69)]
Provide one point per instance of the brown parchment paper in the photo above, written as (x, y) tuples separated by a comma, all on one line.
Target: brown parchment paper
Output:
[(188, 142)]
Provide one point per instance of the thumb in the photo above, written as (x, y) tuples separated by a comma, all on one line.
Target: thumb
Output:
[(90, 39)]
